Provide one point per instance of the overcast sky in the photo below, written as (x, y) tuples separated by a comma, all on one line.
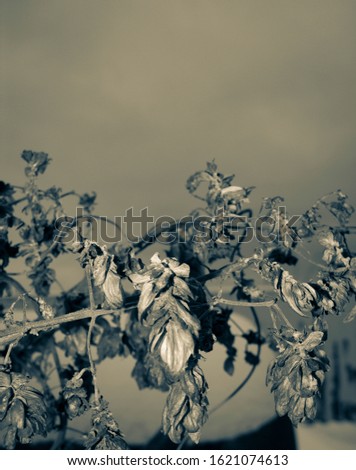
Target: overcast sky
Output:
[(130, 97)]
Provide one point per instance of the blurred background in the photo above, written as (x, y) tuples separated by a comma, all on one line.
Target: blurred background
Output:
[(131, 97)]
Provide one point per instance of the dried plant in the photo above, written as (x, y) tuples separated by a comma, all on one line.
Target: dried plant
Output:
[(161, 311)]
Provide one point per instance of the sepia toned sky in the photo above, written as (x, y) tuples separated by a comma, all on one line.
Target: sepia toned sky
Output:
[(130, 97)]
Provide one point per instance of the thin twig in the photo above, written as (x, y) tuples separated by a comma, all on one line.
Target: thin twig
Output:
[(273, 318), (60, 438), (34, 327), (183, 442), (91, 361), (90, 287), (279, 311), (19, 287), (314, 263), (24, 309), (8, 353), (227, 269), (90, 331), (242, 303)]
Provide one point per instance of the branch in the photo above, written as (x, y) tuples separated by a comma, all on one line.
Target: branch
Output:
[(91, 326), (34, 327)]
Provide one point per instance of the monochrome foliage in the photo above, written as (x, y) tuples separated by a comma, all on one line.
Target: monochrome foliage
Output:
[(167, 312)]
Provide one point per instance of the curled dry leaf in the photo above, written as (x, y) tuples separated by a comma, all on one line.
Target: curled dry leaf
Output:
[(163, 307), (75, 397), (105, 433), (186, 409), (298, 372), (23, 413), (176, 347)]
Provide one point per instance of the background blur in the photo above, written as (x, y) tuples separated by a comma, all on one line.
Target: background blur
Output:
[(131, 97)]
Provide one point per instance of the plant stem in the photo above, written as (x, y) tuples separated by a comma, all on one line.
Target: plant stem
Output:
[(58, 442), (8, 353), (91, 326), (90, 287), (34, 327), (241, 303), (19, 287), (279, 311), (91, 361)]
